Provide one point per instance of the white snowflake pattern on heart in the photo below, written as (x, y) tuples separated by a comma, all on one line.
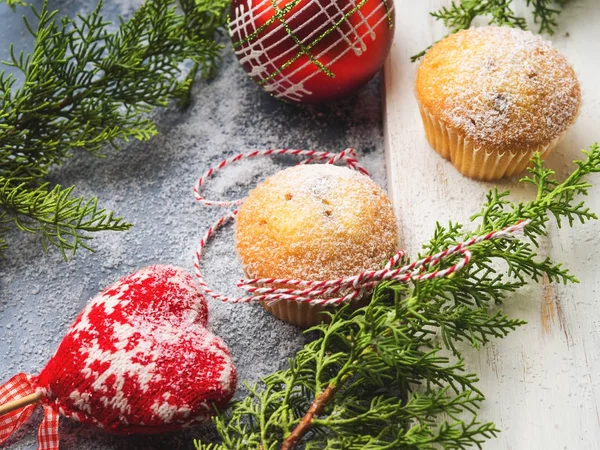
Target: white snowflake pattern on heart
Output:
[(140, 359)]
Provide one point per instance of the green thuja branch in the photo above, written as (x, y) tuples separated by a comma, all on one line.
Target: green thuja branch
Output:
[(391, 375), (13, 3), (461, 14), (545, 12), (55, 214), (84, 87)]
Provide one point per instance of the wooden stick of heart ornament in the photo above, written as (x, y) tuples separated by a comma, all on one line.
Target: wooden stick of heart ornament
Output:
[(13, 405)]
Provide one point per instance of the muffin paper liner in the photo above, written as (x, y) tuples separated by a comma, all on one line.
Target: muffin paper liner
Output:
[(476, 162), (301, 314)]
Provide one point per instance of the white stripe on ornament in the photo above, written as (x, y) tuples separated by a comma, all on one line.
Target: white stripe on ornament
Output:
[(240, 50), (249, 52), (258, 68), (251, 9), (357, 50), (291, 92), (365, 22), (279, 89)]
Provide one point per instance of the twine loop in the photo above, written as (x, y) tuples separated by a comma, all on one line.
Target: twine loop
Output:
[(347, 156), (341, 290)]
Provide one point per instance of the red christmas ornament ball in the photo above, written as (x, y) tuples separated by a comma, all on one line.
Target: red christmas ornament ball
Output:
[(311, 50)]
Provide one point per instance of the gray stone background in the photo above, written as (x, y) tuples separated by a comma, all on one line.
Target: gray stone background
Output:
[(150, 184)]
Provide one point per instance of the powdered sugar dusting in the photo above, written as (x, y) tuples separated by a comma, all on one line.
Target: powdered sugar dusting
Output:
[(504, 88), (315, 222)]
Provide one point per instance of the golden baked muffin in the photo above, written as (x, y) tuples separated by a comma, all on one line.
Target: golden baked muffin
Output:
[(314, 222), (491, 97)]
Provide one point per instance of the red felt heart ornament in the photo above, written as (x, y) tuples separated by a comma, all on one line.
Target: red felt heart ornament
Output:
[(138, 359)]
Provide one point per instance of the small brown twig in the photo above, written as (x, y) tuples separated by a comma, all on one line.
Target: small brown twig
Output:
[(315, 409)]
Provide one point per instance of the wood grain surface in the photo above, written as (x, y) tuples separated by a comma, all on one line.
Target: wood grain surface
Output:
[(542, 382)]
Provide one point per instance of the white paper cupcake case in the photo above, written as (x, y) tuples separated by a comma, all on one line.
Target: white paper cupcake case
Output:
[(472, 161), (303, 314), (306, 315)]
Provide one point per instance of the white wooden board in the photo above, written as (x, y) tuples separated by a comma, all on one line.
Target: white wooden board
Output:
[(542, 382)]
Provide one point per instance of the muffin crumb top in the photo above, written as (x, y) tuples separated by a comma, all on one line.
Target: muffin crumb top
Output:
[(315, 222)]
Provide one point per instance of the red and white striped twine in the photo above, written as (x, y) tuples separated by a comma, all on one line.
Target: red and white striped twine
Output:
[(347, 156), (348, 288)]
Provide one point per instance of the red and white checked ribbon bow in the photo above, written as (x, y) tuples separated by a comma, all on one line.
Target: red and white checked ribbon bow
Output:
[(17, 387), (348, 288)]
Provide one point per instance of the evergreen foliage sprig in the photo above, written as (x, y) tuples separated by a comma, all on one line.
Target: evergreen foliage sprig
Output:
[(13, 3), (87, 85), (461, 14), (391, 375)]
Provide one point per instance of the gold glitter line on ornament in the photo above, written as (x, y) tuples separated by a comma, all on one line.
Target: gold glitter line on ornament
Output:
[(323, 35), (245, 54), (305, 50), (293, 90), (280, 14), (287, 8), (264, 81), (388, 13)]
